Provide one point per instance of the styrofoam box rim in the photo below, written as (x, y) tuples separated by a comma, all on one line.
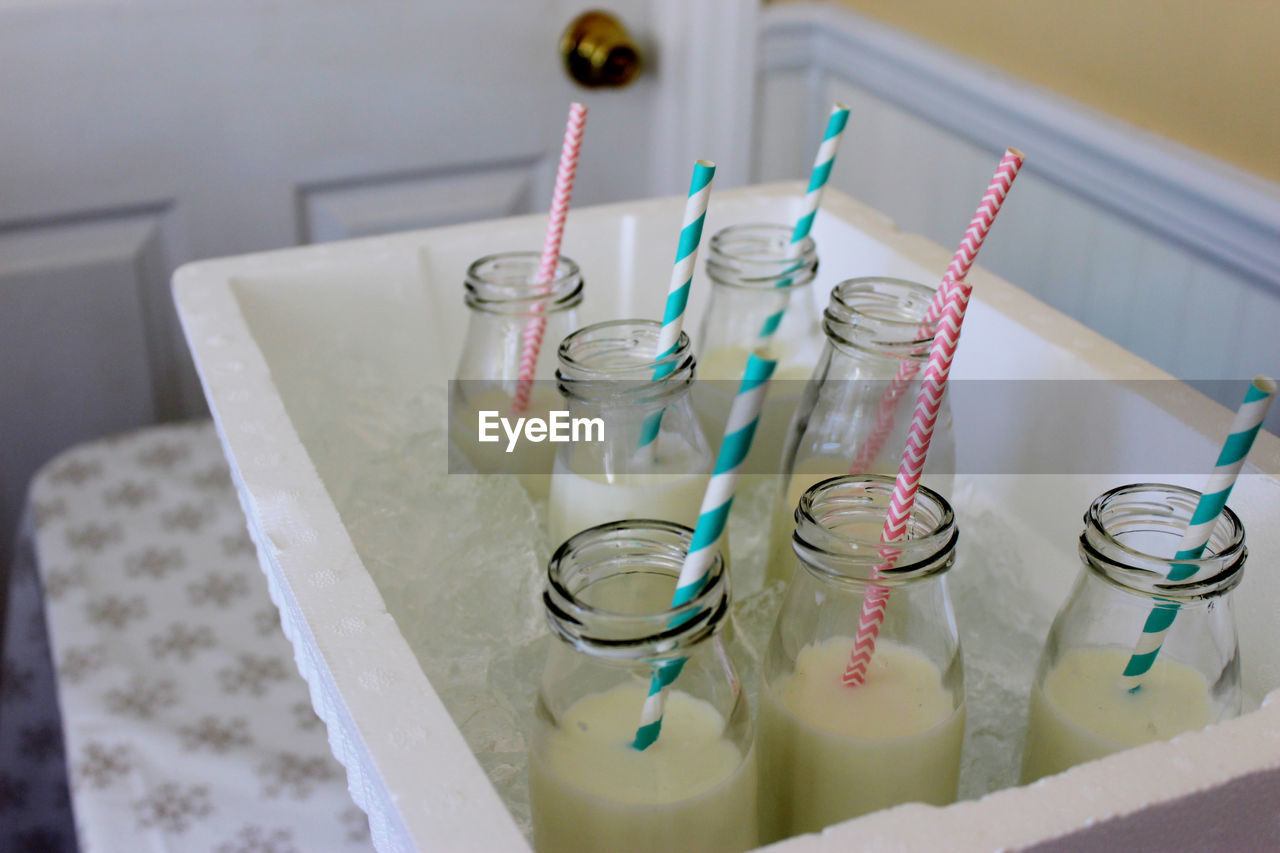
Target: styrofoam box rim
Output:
[(391, 731)]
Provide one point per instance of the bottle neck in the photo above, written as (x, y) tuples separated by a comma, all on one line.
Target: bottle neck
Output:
[(505, 298), (760, 289), (761, 257), (507, 285), (880, 320), (1133, 533), (615, 363), (838, 534), (609, 592)]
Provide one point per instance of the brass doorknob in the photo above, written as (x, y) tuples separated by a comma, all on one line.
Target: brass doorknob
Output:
[(598, 51)]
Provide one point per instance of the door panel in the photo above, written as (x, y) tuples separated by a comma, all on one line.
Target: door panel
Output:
[(78, 351), (379, 206)]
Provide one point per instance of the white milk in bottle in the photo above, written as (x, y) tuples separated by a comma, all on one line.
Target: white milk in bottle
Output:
[(670, 488), (608, 601), (1083, 710), (531, 462), (720, 371), (593, 791), (1093, 695), (830, 750), (760, 280), (652, 460)]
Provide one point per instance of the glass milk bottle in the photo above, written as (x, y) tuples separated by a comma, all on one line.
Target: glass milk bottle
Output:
[(849, 419), (608, 602), (1082, 705), (607, 372), (504, 301), (758, 281), (830, 751)]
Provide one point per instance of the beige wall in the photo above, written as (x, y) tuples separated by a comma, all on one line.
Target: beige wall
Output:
[(1205, 73)]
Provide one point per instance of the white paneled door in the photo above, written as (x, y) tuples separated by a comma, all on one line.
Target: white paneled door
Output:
[(136, 135)]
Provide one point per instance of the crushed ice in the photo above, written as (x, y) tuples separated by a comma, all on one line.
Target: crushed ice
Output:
[(459, 560)]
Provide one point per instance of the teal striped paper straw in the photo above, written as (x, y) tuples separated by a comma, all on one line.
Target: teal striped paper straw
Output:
[(817, 181), (695, 214), (716, 503), (1205, 518)]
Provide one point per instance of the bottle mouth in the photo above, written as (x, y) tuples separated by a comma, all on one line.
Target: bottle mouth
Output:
[(883, 316), (839, 524), (618, 360), (1133, 533), (761, 256), (609, 592), (507, 283)]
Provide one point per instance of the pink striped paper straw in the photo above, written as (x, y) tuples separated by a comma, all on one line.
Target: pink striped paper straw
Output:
[(537, 327), (979, 226), (957, 270), (903, 499)]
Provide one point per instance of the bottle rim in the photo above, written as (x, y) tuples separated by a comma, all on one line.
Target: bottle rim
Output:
[(1166, 509), (506, 283), (633, 547), (881, 315), (761, 256), (831, 548), (615, 361)]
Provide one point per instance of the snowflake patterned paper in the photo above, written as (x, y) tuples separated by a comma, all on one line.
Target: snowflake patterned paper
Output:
[(186, 726)]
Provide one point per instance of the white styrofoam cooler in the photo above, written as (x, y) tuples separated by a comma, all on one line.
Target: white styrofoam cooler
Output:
[(398, 301)]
